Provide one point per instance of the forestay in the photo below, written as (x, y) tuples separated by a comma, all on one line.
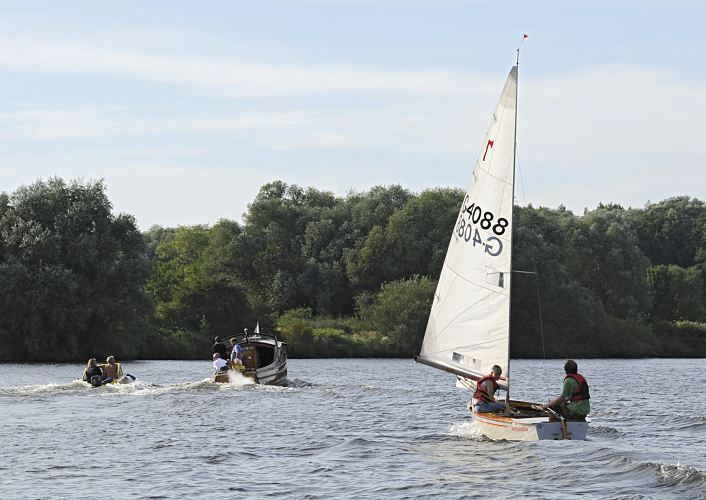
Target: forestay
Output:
[(469, 324)]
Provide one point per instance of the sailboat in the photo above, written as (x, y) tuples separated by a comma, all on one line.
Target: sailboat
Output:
[(468, 331)]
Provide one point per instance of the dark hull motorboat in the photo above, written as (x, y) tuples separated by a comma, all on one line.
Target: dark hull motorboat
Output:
[(264, 359)]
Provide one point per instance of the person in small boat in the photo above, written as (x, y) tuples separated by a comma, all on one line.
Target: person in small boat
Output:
[(219, 364), (484, 398), (93, 373), (574, 402), (220, 348), (114, 371), (236, 355)]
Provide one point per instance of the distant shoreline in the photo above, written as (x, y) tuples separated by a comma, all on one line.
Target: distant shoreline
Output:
[(207, 360)]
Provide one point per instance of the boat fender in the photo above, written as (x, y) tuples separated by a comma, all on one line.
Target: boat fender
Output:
[(581, 392)]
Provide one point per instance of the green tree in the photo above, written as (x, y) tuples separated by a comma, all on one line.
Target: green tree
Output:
[(414, 241), (675, 293), (400, 312), (604, 257), (193, 284), (71, 274), (671, 231), (273, 239), (573, 321), (295, 325)]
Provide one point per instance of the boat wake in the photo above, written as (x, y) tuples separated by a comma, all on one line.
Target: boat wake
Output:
[(237, 379), (140, 388), (604, 431), (43, 389), (468, 430), (685, 422), (685, 477), (676, 474), (237, 382), (75, 386), (297, 383)]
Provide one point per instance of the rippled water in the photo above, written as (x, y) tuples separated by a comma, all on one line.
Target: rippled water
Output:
[(343, 429)]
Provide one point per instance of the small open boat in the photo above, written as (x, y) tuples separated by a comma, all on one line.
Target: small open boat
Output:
[(264, 358), (469, 324), (98, 381)]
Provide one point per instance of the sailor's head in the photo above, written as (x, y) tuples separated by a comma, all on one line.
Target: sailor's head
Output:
[(216, 356), (92, 362), (570, 366), (497, 371), (110, 360)]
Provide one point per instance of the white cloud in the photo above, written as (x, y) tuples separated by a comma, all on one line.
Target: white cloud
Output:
[(225, 78), (61, 124), (607, 133), (612, 133)]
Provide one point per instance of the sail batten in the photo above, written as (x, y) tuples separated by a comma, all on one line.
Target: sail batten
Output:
[(468, 328)]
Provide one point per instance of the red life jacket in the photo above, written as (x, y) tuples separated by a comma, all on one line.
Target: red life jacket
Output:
[(581, 391), (481, 394)]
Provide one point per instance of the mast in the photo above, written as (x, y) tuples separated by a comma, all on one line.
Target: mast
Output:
[(512, 232)]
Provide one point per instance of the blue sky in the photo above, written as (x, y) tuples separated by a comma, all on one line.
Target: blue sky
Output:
[(186, 108)]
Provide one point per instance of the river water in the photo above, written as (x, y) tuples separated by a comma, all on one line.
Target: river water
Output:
[(343, 429)]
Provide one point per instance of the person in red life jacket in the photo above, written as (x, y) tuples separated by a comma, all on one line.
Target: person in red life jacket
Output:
[(484, 397), (574, 400)]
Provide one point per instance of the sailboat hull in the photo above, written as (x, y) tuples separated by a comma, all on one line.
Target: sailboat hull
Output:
[(496, 427)]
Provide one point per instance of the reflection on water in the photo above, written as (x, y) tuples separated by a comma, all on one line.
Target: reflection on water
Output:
[(341, 429)]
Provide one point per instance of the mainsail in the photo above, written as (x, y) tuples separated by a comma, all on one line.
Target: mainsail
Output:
[(469, 325)]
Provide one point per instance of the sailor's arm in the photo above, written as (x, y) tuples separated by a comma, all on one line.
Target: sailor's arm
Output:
[(557, 402), (486, 388)]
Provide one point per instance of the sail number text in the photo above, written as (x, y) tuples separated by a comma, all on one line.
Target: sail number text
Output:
[(473, 215)]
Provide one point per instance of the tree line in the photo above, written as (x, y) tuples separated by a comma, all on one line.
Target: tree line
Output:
[(336, 276)]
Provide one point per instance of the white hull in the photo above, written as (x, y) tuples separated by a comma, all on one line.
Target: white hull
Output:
[(495, 426)]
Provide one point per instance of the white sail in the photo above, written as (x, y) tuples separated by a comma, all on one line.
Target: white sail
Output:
[(469, 324)]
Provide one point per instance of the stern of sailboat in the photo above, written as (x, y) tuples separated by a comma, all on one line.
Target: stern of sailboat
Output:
[(527, 422)]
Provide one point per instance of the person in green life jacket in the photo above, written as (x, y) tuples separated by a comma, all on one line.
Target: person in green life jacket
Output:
[(574, 402)]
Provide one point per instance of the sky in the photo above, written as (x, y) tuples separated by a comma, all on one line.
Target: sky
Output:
[(186, 108)]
